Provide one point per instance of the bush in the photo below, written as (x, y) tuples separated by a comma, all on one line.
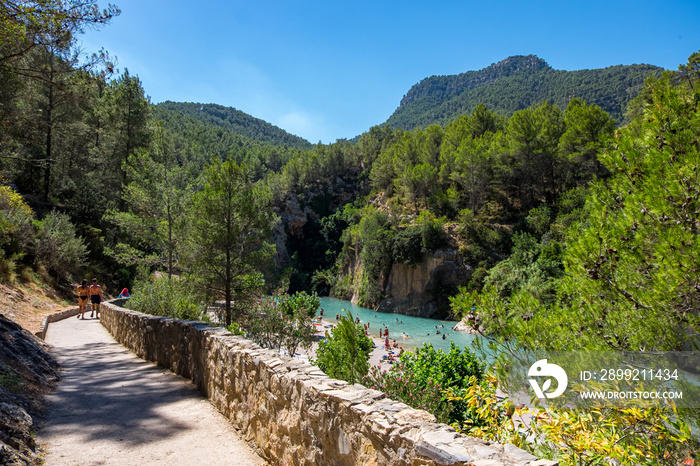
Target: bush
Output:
[(164, 297), (407, 245), (344, 354), (421, 378), (59, 249), (282, 322), (16, 231)]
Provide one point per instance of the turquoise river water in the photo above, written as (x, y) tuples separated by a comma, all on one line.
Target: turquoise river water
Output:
[(418, 330)]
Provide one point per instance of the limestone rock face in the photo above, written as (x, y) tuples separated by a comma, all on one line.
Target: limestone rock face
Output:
[(423, 289)]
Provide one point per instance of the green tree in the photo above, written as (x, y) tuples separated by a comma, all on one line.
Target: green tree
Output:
[(158, 190), (59, 248), (534, 137), (230, 221), (632, 264), (344, 353), (39, 55), (128, 111), (588, 128), (27, 24), (375, 235)]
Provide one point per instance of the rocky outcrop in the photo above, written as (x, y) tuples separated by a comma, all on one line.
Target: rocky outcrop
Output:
[(423, 289), (295, 413), (27, 370), (298, 209)]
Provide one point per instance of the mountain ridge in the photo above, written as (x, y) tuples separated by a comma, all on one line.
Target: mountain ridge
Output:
[(239, 122), (514, 84)]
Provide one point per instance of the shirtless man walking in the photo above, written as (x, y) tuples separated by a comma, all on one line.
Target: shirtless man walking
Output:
[(95, 297)]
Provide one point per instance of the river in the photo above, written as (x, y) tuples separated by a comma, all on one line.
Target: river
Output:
[(418, 330)]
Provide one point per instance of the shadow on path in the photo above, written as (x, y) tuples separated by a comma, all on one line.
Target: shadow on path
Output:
[(112, 407), (108, 394)]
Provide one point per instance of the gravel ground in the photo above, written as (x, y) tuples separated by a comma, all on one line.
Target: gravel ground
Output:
[(113, 408)]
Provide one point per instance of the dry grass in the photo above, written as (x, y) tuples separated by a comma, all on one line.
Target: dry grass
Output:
[(29, 303)]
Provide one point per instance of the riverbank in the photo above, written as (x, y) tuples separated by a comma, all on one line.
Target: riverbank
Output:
[(378, 357), (417, 330)]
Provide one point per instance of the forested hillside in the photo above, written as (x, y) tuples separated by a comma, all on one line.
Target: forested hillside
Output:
[(197, 136), (236, 122), (516, 83), (509, 197), (96, 180)]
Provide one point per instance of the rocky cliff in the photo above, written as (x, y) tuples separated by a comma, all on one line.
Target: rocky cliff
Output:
[(424, 289)]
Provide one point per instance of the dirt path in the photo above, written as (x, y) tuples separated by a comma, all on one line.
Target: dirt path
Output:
[(113, 408)]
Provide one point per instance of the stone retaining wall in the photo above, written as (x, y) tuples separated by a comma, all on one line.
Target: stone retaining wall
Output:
[(50, 319), (295, 413)]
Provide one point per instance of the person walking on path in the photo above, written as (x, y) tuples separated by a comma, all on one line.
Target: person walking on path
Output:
[(83, 292), (95, 297)]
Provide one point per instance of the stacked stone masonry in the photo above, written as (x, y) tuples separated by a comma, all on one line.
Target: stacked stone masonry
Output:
[(295, 413)]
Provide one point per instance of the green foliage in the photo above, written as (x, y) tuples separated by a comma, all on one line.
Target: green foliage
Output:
[(282, 322), (199, 139), (514, 84), (157, 191), (374, 235), (344, 353), (631, 264), (235, 122), (230, 221), (630, 256), (479, 238), (600, 435), (401, 386), (16, 230), (300, 303), (407, 246), (176, 298), (58, 248), (420, 378)]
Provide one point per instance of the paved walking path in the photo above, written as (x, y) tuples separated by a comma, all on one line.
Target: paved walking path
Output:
[(113, 408)]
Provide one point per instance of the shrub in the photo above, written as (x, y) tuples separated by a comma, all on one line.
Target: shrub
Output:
[(282, 322), (15, 221), (344, 354), (166, 297), (407, 245), (16, 232), (420, 378), (59, 249)]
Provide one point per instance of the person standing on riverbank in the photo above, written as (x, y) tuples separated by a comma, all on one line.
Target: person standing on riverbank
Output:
[(95, 297)]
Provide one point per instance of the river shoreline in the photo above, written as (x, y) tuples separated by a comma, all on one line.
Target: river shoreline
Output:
[(379, 355)]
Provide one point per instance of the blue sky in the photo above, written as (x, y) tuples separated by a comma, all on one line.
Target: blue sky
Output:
[(326, 70)]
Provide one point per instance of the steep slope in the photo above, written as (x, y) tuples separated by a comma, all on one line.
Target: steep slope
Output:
[(201, 136), (237, 122), (514, 84)]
